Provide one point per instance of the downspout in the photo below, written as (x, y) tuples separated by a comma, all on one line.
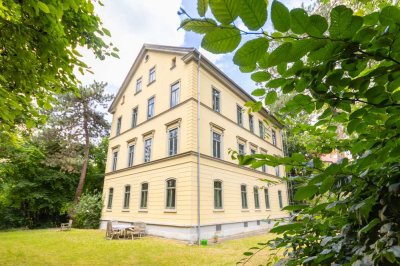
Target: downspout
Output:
[(198, 150)]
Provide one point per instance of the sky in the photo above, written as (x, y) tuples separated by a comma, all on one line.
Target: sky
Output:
[(135, 22)]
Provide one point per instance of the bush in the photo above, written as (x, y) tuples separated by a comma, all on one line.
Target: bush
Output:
[(88, 211)]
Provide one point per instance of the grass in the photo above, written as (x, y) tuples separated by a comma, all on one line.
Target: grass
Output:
[(88, 247)]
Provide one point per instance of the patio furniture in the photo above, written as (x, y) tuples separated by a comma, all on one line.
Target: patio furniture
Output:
[(66, 226), (139, 229), (112, 232)]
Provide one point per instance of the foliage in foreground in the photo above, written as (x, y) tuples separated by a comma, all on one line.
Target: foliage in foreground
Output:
[(347, 69)]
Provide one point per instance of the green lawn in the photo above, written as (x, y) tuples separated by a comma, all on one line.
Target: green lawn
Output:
[(88, 247)]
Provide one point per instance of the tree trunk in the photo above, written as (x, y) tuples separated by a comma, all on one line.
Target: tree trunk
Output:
[(86, 149)]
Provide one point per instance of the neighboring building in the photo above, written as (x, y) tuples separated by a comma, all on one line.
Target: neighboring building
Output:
[(154, 170)]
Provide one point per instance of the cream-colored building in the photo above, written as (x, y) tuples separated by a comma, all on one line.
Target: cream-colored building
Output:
[(175, 118)]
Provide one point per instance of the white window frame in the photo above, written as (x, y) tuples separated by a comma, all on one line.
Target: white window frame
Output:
[(148, 107), (219, 100), (125, 203), (177, 98), (239, 115), (222, 194), (152, 73), (256, 197), (141, 196), (139, 85), (134, 121), (246, 198), (166, 194), (110, 198)]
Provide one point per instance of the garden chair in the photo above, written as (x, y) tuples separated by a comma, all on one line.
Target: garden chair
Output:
[(111, 232), (66, 226), (139, 229)]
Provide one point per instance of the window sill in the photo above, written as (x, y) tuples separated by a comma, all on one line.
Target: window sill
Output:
[(143, 210), (151, 82), (136, 93), (170, 211), (172, 67), (108, 210), (218, 210), (125, 210), (245, 210), (268, 210), (257, 210)]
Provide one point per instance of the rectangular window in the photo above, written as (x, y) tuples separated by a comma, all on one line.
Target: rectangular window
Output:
[(152, 74), (216, 100), (144, 195), (239, 114), (264, 168), (217, 195), (150, 107), (246, 224), (174, 94), (172, 141), (243, 190), (252, 151), (251, 123), (119, 122), (131, 155), (266, 196), (147, 150), (216, 145), (134, 117), (127, 196), (171, 191), (115, 160), (138, 85), (218, 227), (241, 148), (273, 135), (173, 63), (277, 171), (256, 198), (261, 129), (280, 199), (110, 197)]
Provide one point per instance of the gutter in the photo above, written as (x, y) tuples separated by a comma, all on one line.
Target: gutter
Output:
[(198, 150)]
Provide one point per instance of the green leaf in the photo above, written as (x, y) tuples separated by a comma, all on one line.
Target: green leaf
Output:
[(316, 25), (251, 52), (253, 13), (295, 207), (326, 184), (280, 54), (286, 227), (247, 69), (389, 15), (42, 6), (341, 23), (199, 25), (280, 16), (258, 92), (276, 83), (225, 11), (271, 97), (221, 40), (106, 32), (202, 6), (305, 192), (369, 226), (298, 20), (260, 76)]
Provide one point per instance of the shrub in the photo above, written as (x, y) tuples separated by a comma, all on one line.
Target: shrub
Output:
[(88, 211)]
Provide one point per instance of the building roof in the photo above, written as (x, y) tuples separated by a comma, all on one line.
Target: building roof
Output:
[(188, 53)]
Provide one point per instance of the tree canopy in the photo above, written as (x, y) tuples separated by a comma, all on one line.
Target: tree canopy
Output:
[(38, 54), (347, 68)]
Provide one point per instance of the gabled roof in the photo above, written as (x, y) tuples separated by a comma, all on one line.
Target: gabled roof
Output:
[(188, 53)]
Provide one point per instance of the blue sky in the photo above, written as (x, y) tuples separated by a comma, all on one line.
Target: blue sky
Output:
[(135, 22)]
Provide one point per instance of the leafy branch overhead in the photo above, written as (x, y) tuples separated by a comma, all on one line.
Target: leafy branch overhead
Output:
[(38, 53), (345, 70)]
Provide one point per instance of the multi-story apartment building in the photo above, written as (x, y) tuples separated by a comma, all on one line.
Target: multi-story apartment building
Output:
[(175, 118)]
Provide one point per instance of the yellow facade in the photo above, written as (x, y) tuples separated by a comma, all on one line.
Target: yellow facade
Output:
[(180, 68)]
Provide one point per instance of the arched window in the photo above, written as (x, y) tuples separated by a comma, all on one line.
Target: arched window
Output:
[(218, 194), (171, 194), (110, 197), (144, 195)]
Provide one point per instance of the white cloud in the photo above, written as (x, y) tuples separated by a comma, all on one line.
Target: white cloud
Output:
[(215, 58), (133, 23)]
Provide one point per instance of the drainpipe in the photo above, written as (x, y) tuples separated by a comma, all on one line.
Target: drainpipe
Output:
[(198, 150)]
